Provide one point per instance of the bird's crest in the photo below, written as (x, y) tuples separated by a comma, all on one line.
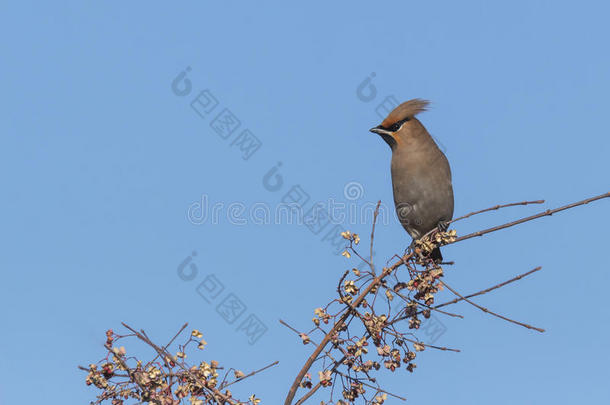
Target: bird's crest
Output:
[(408, 109)]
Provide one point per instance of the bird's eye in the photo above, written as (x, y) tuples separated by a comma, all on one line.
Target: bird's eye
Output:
[(396, 126)]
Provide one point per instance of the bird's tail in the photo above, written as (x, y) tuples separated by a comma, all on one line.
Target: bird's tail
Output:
[(436, 255)]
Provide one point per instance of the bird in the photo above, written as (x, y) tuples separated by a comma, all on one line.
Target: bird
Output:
[(421, 175)]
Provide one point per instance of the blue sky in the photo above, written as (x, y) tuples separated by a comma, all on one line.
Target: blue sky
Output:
[(102, 166)]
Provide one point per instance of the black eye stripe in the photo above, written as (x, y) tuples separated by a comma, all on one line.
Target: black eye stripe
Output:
[(396, 126)]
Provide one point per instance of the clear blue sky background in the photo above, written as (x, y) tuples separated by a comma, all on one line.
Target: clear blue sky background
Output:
[(100, 161)]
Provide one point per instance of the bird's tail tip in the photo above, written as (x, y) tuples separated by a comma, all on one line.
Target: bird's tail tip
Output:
[(436, 255)]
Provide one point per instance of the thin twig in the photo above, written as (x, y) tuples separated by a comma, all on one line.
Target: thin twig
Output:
[(369, 385), (495, 207), (526, 219), (443, 348), (519, 277), (490, 312), (373, 236), (407, 299), (250, 374), (171, 341), (290, 327), (297, 332)]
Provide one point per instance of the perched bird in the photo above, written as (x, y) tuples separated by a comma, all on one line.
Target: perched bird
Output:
[(421, 176)]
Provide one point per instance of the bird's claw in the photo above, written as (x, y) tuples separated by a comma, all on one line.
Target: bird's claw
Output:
[(442, 226)]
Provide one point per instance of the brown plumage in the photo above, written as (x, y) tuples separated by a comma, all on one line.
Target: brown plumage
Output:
[(421, 176), (407, 109)]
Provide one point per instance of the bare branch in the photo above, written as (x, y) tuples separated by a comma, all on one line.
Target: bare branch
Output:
[(490, 312)]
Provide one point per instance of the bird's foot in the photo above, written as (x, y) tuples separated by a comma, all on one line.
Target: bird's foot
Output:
[(442, 226)]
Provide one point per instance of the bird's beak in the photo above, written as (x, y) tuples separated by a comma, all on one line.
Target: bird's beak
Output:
[(380, 131)]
